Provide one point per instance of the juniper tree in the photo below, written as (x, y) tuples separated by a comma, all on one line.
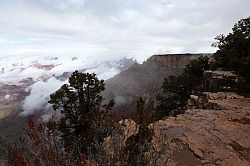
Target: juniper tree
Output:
[(234, 49), (139, 143), (234, 52), (176, 90), (84, 123)]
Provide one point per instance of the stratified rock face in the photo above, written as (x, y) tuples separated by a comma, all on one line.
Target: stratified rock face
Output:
[(207, 136), (145, 79), (172, 61), (14, 92)]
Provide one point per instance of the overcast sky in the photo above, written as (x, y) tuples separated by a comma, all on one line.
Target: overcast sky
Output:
[(99, 30), (114, 28)]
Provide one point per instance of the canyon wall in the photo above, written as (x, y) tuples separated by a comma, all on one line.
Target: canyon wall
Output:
[(173, 61), (145, 79)]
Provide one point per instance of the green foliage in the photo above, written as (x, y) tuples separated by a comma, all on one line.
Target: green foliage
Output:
[(233, 55), (83, 125), (224, 85), (234, 50), (193, 74), (173, 95), (143, 114), (177, 89), (167, 103), (140, 106), (137, 144)]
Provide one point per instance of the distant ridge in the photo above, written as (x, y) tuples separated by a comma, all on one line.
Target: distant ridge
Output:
[(185, 54)]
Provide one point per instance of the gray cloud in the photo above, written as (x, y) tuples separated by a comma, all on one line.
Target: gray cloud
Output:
[(39, 96), (132, 28)]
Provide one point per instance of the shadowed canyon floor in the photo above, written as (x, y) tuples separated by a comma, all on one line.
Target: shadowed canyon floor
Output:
[(11, 124)]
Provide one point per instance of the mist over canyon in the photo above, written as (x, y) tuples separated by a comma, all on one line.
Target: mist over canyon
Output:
[(125, 79), (33, 79)]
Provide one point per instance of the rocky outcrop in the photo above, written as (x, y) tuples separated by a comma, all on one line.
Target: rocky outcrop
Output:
[(207, 136), (220, 80)]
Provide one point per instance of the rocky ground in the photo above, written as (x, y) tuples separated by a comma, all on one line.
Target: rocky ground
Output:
[(218, 134)]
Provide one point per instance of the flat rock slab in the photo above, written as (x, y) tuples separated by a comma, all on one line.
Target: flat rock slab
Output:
[(206, 137)]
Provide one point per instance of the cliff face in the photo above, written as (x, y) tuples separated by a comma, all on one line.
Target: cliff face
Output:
[(172, 61), (145, 79)]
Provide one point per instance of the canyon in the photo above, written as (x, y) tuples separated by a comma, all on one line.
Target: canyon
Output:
[(133, 81), (214, 130), (144, 80)]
